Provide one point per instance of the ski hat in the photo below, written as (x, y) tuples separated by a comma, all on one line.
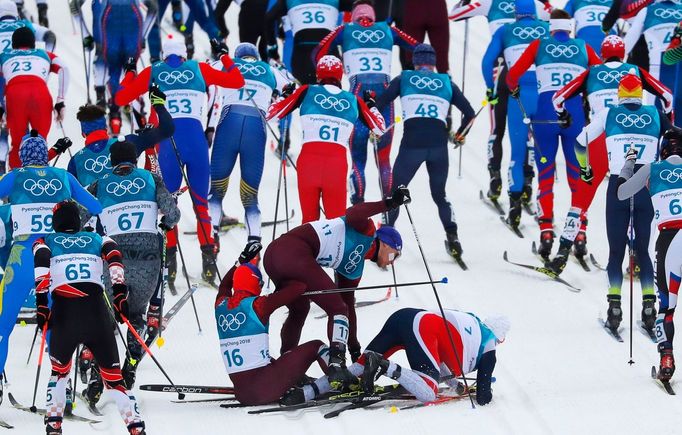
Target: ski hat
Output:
[(248, 277), (612, 47), (671, 143), (23, 37), (33, 150), (524, 8), (8, 9), (424, 54), (246, 49), (329, 68), (91, 118), (173, 46), (66, 217), (630, 86), (122, 151), (499, 325), (363, 12), (390, 236)]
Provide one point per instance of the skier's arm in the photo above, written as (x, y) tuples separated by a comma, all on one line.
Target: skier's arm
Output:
[(461, 103), (665, 123), (83, 197), (544, 9), (62, 71), (589, 134), (481, 7), (635, 31), (492, 53), (592, 56), (166, 203), (277, 11), (390, 93), (574, 87), (46, 35), (372, 118), (358, 216), (484, 375), (230, 77), (611, 16), (266, 305), (114, 259), (149, 137), (225, 287), (284, 107), (328, 43), (132, 86), (653, 85), (631, 182), (41, 271), (521, 66), (402, 39), (7, 183)]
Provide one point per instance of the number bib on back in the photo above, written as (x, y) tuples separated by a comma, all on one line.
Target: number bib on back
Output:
[(244, 340), (425, 95), (128, 203), (602, 85), (341, 247), (184, 87), (557, 63), (367, 50), (626, 128), (75, 258), (500, 13), (659, 24), (260, 83), (665, 187), (313, 14), (469, 330), (7, 27), (33, 62), (518, 35), (589, 13), (328, 117)]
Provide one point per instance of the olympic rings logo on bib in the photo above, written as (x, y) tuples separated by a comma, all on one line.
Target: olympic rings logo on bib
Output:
[(529, 33), (133, 187), (365, 36), (70, 241), (671, 176), (355, 258), (97, 165), (232, 321), (247, 68), (506, 7), (331, 102), (632, 120), (426, 82), (668, 13), (173, 77), (561, 50), (609, 77), (43, 186)]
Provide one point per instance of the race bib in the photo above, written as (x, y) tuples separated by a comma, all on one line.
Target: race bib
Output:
[(658, 38), (600, 100), (313, 16), (332, 236), (618, 145), (242, 353), (554, 76), (591, 15), (185, 103), (424, 106), (512, 54), (325, 128), (75, 268), (129, 216), (252, 92), (367, 60), (23, 65), (33, 218)]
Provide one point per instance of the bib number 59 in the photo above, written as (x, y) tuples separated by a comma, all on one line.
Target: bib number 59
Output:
[(41, 224)]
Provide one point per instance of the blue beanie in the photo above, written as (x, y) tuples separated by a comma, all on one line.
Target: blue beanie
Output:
[(88, 127), (424, 54), (246, 49), (390, 236), (33, 150)]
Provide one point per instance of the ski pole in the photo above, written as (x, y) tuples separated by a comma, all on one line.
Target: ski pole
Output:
[(464, 69), (527, 121), (33, 342), (283, 139), (189, 286), (443, 280), (440, 305), (164, 282), (40, 364), (279, 188), (631, 252), (86, 60), (74, 387)]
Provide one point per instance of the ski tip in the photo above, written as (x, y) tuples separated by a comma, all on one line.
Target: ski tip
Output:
[(444, 280), (505, 256), (654, 373)]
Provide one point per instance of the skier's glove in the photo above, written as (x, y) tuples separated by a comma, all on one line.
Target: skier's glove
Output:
[(251, 250), (59, 109), (43, 312), (565, 119), (399, 197), (120, 302), (288, 89), (586, 174), (130, 65), (153, 316), (164, 225), (483, 397), (62, 144), (632, 154), (272, 52), (491, 96), (156, 96), (370, 98), (89, 43), (219, 48), (515, 92), (457, 139)]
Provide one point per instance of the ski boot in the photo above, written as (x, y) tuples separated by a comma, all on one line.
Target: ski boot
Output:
[(95, 387), (546, 243), (495, 189), (227, 222), (648, 312), (216, 239), (129, 372), (614, 315), (375, 366), (527, 193), (2, 386), (209, 271), (136, 428), (85, 362), (68, 407), (454, 247), (340, 378), (558, 264), (189, 43), (42, 15), (53, 425), (667, 366), (101, 97), (515, 208), (580, 245), (172, 265), (114, 119), (293, 396)]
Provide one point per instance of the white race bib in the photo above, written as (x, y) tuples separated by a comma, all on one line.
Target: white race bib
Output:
[(332, 236), (185, 103), (245, 353), (668, 203), (259, 92), (367, 61), (600, 100), (130, 217), (26, 65), (512, 54), (554, 76), (73, 268), (325, 128), (313, 16), (619, 144), (591, 15), (424, 106), (35, 218)]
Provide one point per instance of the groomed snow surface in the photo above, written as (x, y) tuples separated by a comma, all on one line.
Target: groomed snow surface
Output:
[(558, 371)]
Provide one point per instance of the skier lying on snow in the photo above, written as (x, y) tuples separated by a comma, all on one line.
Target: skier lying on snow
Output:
[(422, 335)]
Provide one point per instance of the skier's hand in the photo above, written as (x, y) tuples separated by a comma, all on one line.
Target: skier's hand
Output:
[(59, 111), (130, 65), (156, 96), (272, 52), (632, 154), (152, 7), (120, 302), (288, 89), (586, 174), (370, 98), (565, 119), (399, 197), (219, 48), (251, 250), (62, 144), (42, 316), (210, 133), (483, 397), (163, 225), (457, 139), (153, 317), (515, 92), (491, 97), (89, 43)]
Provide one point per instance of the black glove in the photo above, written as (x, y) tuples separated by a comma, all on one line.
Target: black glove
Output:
[(483, 397), (59, 108), (209, 133), (272, 52), (62, 145), (491, 97), (120, 302), (288, 89), (250, 251), (515, 92), (565, 119), (586, 174), (164, 225), (219, 48), (130, 65), (156, 96), (89, 43), (370, 98), (399, 197), (2, 112)]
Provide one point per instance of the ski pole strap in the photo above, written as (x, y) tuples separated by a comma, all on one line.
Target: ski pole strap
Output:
[(443, 280)]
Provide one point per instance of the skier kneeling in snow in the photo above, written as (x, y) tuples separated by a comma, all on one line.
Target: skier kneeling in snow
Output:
[(242, 318), (422, 335)]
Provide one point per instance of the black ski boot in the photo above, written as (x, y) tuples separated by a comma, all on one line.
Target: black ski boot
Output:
[(101, 97), (495, 189), (558, 264), (515, 208), (580, 245), (53, 425), (42, 15), (136, 428), (2, 386), (95, 387), (68, 407), (172, 265), (454, 247), (667, 365), (209, 271), (527, 192), (340, 378), (129, 372), (649, 312), (375, 366), (614, 315), (546, 243)]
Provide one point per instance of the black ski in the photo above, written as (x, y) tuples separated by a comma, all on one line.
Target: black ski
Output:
[(219, 399), (175, 308), (543, 270), (226, 228), (357, 403), (457, 258), (614, 333), (6, 425), (528, 209), (91, 406), (193, 389), (366, 303), (439, 401), (648, 332), (492, 203), (515, 230), (665, 385), (581, 261), (595, 263), (534, 250), (42, 412)]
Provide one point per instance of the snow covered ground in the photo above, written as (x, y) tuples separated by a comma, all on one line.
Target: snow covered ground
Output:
[(558, 372)]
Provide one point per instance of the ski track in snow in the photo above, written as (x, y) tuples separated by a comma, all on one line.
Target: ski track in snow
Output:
[(557, 373)]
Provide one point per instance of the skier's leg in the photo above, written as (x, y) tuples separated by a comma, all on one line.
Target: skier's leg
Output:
[(334, 186), (437, 166), (668, 273), (310, 166), (384, 144), (17, 119), (405, 167), (547, 144), (226, 144), (358, 152), (618, 218), (498, 122), (643, 216), (439, 34), (251, 161)]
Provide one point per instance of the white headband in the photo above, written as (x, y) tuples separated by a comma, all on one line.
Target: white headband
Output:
[(565, 24)]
